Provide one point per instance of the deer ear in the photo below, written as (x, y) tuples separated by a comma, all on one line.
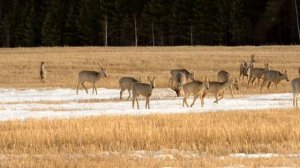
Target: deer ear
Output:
[(285, 71), (148, 78)]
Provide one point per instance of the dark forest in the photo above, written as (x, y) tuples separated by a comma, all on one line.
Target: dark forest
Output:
[(32, 23)]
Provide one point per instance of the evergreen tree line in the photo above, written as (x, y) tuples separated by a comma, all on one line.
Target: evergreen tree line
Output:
[(33, 23)]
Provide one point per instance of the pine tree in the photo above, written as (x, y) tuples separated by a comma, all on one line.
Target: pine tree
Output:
[(30, 30), (71, 30)]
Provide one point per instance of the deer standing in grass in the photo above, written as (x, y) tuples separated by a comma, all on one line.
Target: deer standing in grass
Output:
[(218, 88), (273, 76), (179, 81), (245, 67), (223, 76), (43, 72), (142, 89), (257, 73), (126, 83), (196, 89), (296, 89), (91, 77)]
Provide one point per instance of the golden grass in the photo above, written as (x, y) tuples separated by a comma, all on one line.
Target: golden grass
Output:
[(75, 142), (214, 133), (20, 66), (126, 162)]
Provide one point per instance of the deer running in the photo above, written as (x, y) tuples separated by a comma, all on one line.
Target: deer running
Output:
[(218, 88)]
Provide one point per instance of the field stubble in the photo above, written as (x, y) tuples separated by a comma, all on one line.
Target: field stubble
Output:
[(211, 134), (20, 66)]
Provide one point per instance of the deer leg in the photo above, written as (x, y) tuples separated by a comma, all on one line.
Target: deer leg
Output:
[(121, 93), (137, 103), (262, 85), (202, 100), (148, 100), (252, 81), (216, 96), (294, 98), (195, 97), (129, 92), (258, 81), (231, 90), (269, 86), (221, 96), (276, 85), (249, 82), (77, 88), (133, 99), (95, 89), (84, 87), (184, 102)]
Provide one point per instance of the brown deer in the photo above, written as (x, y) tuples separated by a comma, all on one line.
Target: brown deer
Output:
[(187, 74), (273, 76), (143, 89), (296, 89), (257, 73), (196, 89), (179, 81), (91, 77), (126, 83), (245, 67), (218, 88), (43, 72)]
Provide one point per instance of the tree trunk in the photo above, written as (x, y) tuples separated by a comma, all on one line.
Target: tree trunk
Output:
[(296, 8), (135, 31), (192, 40), (105, 29), (153, 37)]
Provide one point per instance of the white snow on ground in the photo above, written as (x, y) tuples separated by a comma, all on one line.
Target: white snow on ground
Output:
[(64, 103)]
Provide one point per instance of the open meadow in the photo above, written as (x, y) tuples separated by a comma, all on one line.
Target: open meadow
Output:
[(45, 124)]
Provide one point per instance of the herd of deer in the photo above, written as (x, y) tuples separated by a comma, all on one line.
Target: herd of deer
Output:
[(179, 83)]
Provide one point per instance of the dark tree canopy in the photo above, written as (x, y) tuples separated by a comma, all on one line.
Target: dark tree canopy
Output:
[(32, 23)]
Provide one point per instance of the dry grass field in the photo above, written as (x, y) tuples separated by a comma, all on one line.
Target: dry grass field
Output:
[(193, 139), (20, 66), (160, 140)]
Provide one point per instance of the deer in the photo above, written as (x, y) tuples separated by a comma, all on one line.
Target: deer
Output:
[(196, 89), (295, 89), (43, 72), (143, 89), (126, 83), (273, 76), (187, 74), (218, 88), (91, 77), (179, 81), (257, 73), (223, 76), (245, 67)]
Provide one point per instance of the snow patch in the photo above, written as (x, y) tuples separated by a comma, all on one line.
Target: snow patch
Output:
[(64, 103)]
